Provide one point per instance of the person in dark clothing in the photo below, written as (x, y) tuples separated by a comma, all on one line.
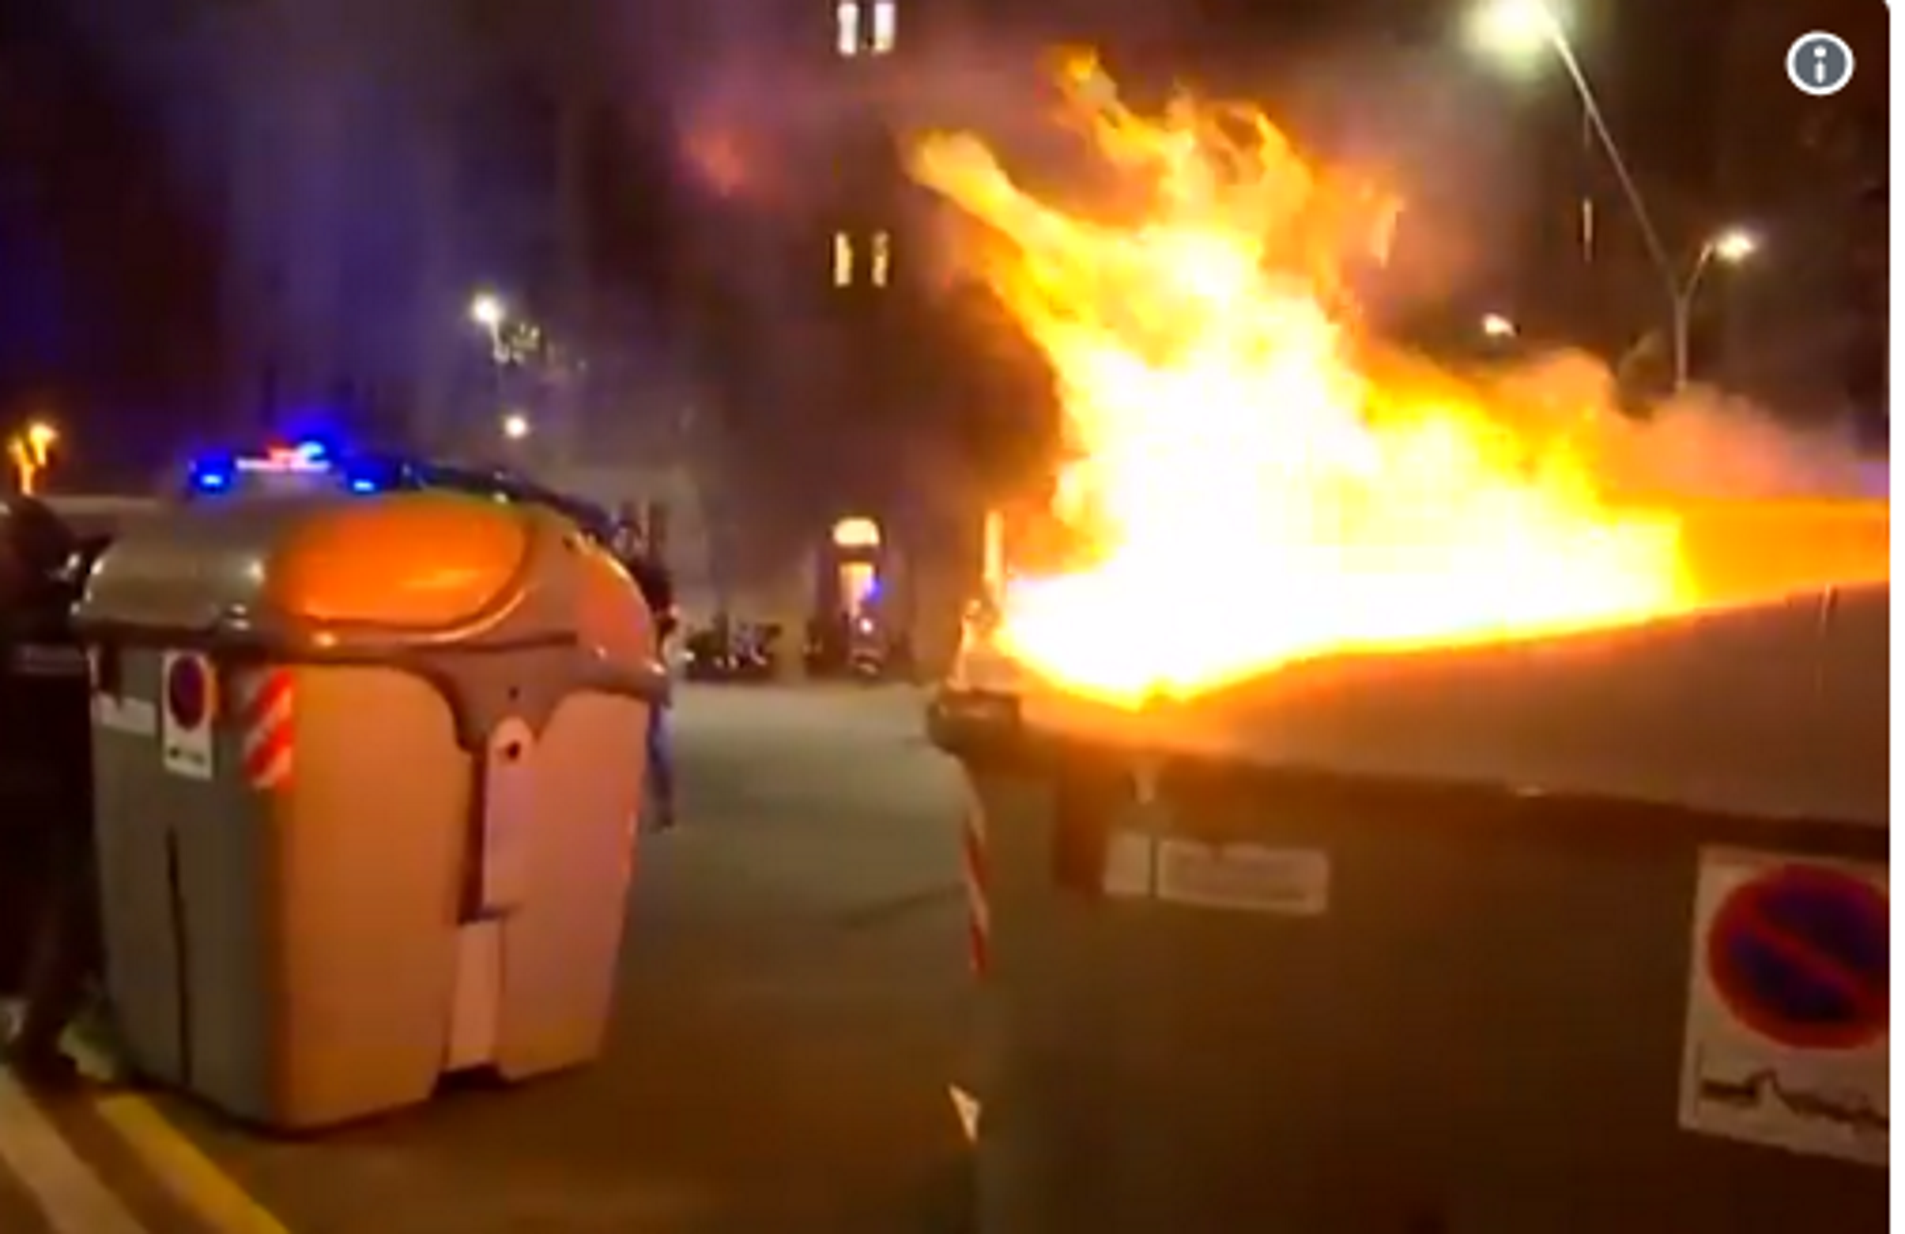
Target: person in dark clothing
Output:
[(658, 590), (44, 701), (64, 959)]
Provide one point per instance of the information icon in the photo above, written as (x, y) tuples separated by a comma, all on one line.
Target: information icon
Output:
[(1819, 63)]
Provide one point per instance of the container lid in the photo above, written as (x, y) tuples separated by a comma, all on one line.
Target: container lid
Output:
[(430, 565), (1779, 710), (424, 561)]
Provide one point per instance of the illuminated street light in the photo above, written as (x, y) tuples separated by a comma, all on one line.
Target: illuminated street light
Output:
[(1729, 247), (1516, 32), (1733, 245), (516, 426), (1496, 326), (1519, 33), (30, 450), (487, 311)]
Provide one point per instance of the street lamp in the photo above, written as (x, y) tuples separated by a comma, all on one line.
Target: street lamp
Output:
[(1732, 246), (30, 450), (516, 426), (1496, 326), (487, 311), (41, 437), (1517, 31), (1729, 248)]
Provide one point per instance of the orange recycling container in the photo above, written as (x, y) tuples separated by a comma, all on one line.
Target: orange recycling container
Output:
[(366, 771)]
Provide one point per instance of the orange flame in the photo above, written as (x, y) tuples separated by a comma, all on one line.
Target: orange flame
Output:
[(1250, 492)]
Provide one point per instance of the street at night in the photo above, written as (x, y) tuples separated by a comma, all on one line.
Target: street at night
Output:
[(945, 617), (792, 1001)]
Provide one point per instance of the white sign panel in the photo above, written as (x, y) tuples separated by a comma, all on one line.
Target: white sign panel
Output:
[(1788, 1038), (1236, 877), (1244, 877), (187, 706), (1130, 862), (135, 717)]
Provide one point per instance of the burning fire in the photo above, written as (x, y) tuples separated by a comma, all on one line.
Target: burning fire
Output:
[(1251, 492)]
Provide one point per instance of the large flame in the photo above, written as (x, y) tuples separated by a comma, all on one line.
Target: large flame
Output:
[(1252, 495)]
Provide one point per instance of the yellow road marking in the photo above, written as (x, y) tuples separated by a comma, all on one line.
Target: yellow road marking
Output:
[(70, 1194), (183, 1170), (169, 1156)]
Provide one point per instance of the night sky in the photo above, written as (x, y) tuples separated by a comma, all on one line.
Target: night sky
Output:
[(115, 267)]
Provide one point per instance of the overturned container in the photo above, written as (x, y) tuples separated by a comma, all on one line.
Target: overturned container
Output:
[(366, 776), (1584, 934)]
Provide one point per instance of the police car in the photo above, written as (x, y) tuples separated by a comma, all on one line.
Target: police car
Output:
[(314, 467)]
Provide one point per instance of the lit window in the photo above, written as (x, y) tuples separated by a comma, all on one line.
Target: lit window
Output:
[(884, 21), (842, 259), (846, 31), (877, 271)]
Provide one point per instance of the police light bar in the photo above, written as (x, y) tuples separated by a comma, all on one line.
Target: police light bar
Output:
[(309, 458)]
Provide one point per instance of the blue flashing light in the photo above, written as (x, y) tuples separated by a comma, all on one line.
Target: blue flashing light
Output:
[(360, 484), (208, 481)]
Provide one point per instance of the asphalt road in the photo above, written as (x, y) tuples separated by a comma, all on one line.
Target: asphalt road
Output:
[(793, 981)]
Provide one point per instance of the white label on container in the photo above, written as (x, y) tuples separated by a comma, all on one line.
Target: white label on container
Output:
[(1244, 877), (136, 717), (1130, 862)]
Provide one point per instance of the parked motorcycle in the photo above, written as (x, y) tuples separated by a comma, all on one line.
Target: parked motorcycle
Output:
[(735, 652)]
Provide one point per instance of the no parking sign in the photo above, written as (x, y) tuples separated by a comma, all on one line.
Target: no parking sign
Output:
[(188, 706), (1788, 1037)]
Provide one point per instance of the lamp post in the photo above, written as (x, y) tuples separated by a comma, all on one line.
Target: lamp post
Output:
[(1498, 327), (1519, 31), (488, 311), (1730, 248)]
